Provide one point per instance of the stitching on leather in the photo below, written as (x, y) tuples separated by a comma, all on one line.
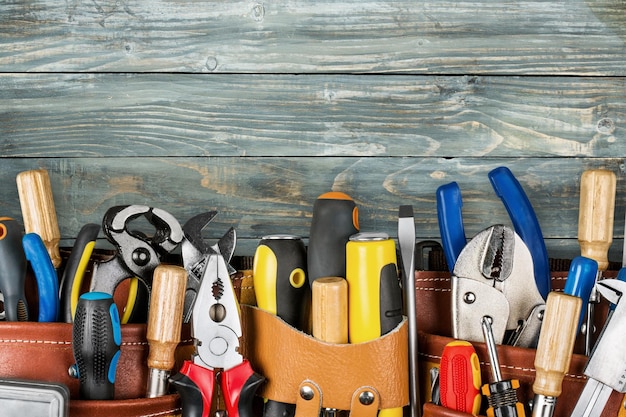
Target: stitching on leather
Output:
[(515, 368), (433, 279), (46, 342), (164, 413), (433, 289), (63, 342)]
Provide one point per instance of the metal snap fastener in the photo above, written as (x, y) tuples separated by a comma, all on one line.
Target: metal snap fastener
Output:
[(366, 398), (307, 393)]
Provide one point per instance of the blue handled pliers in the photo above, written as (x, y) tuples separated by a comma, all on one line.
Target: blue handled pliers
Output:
[(521, 212)]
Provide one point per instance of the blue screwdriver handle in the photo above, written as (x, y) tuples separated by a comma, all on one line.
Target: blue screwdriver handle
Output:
[(525, 222), (580, 281), (449, 204), (45, 275)]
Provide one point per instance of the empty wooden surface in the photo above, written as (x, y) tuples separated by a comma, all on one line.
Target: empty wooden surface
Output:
[(255, 108)]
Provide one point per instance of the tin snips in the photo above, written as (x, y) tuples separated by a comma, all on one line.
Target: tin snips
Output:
[(493, 276), (216, 329)]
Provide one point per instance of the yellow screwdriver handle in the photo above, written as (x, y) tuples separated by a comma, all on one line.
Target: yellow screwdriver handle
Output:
[(596, 213), (38, 210)]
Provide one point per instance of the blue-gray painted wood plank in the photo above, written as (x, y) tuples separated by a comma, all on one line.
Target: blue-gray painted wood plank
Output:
[(260, 196), (86, 115), (296, 36)]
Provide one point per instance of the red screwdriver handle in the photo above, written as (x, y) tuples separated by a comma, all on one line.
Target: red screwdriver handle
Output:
[(460, 378)]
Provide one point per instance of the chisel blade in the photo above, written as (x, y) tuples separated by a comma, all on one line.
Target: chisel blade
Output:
[(592, 399)]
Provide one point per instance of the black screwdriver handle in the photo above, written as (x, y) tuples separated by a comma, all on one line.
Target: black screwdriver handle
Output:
[(12, 270), (335, 219), (96, 340)]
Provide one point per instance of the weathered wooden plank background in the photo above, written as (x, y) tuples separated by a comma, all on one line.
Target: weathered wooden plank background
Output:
[(255, 108)]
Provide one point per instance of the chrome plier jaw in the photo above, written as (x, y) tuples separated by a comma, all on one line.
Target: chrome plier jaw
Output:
[(195, 253), (493, 276)]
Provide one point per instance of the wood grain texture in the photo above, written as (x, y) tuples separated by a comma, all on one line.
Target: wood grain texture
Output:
[(157, 115), (297, 36), (261, 196)]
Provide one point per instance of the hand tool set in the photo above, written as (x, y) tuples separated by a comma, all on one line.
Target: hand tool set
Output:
[(343, 287)]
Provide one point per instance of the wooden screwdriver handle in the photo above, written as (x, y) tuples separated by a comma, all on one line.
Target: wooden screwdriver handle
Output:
[(596, 213), (165, 316), (556, 343), (330, 309), (38, 212)]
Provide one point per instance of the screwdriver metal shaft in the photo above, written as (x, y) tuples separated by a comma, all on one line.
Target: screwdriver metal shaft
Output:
[(501, 394)]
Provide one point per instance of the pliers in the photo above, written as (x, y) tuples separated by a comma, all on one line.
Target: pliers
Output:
[(137, 255), (216, 329), (493, 276), (522, 215), (195, 253)]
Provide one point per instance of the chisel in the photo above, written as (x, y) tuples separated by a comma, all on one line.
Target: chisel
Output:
[(335, 219), (595, 231), (165, 318), (558, 334), (406, 241), (38, 211)]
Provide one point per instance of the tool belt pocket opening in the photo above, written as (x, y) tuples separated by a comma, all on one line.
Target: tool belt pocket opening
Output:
[(433, 295), (290, 358)]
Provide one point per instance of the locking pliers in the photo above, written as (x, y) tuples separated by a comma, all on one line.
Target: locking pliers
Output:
[(493, 276)]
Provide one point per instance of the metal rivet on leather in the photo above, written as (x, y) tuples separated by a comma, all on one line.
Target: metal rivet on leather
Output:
[(366, 398), (307, 393)]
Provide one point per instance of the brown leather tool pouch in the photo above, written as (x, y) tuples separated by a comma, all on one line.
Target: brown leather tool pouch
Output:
[(43, 352), (335, 375), (434, 323)]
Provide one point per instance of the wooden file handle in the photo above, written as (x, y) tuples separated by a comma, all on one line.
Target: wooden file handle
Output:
[(556, 343), (330, 309), (165, 316), (38, 210)]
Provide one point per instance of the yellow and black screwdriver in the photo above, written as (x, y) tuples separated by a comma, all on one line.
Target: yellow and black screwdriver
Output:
[(501, 393), (335, 219), (281, 288), (374, 293)]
